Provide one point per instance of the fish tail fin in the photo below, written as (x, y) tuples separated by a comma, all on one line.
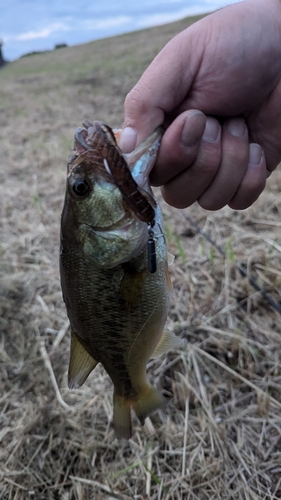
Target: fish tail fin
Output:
[(122, 417), (148, 401)]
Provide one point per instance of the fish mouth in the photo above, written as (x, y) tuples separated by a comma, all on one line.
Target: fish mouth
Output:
[(99, 138), (117, 243), (108, 229), (123, 226)]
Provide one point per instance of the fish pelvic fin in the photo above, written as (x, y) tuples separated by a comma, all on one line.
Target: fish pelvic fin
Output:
[(80, 365), (122, 417), (147, 402), (168, 340)]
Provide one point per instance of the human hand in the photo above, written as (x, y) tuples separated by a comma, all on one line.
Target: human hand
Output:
[(216, 86)]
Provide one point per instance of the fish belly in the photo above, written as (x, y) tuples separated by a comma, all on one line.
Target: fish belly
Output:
[(118, 315)]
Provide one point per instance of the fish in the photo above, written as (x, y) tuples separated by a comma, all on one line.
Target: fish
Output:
[(114, 269)]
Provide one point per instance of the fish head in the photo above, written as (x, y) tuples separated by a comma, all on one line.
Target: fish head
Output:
[(97, 218), (93, 198)]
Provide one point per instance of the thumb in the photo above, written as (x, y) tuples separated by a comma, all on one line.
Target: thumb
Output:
[(142, 117), (161, 88)]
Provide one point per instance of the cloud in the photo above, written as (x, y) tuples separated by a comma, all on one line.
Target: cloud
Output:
[(44, 33), (90, 24), (162, 18), (46, 27), (108, 22), (221, 3), (157, 19)]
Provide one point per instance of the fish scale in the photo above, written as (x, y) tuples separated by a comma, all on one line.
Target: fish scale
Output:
[(116, 307)]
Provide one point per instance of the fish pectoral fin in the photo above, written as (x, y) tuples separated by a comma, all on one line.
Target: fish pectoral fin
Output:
[(80, 365), (131, 288), (168, 279), (122, 417), (168, 341), (147, 402), (170, 259)]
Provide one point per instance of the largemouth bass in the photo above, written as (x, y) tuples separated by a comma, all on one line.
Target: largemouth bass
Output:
[(117, 300)]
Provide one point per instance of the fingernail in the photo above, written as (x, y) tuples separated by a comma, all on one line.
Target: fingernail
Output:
[(189, 135), (128, 139), (236, 127), (212, 130), (255, 154)]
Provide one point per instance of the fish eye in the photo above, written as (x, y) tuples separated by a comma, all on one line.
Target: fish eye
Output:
[(80, 187)]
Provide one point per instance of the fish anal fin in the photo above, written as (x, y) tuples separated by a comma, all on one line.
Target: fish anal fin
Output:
[(80, 365), (147, 402), (168, 340), (122, 417)]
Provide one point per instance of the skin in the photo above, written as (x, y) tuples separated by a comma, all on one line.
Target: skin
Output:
[(217, 88)]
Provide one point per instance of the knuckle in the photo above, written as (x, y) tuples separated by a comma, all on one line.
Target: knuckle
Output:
[(236, 151), (248, 192), (176, 198), (207, 166), (209, 159), (136, 102), (210, 203)]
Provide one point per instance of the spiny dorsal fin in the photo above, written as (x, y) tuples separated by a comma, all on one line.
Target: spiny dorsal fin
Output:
[(80, 365), (168, 341)]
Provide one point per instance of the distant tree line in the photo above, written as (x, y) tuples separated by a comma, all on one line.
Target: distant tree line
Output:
[(34, 52), (2, 60)]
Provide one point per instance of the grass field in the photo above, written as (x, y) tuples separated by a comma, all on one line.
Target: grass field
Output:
[(220, 435)]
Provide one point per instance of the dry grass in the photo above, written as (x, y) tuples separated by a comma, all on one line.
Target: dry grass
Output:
[(220, 436)]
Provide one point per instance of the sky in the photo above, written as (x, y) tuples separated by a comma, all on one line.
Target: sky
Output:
[(32, 25)]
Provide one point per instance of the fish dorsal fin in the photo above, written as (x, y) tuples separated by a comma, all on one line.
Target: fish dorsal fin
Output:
[(80, 365), (168, 341)]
